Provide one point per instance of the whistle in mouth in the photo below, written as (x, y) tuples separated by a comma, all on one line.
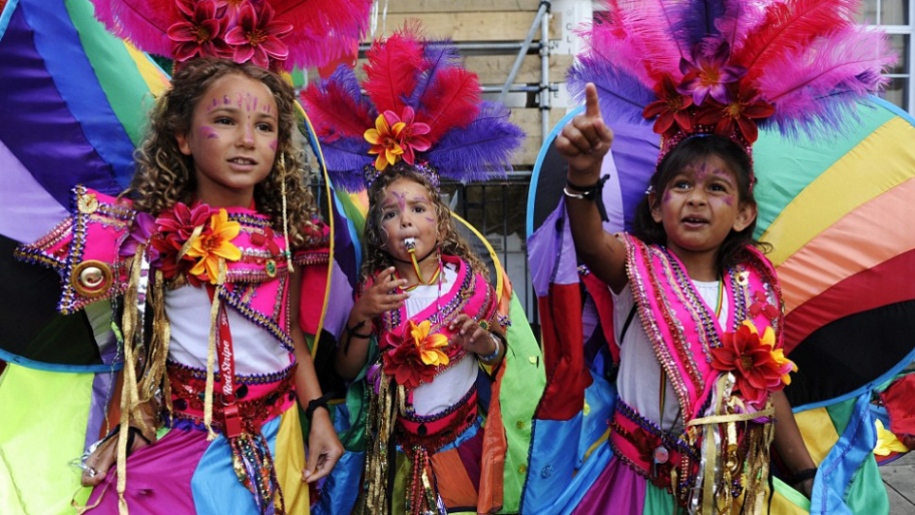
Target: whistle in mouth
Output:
[(410, 244)]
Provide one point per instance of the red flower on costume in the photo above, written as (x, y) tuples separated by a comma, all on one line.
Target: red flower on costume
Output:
[(256, 37), (759, 369), (671, 107), (202, 33), (738, 116), (414, 357)]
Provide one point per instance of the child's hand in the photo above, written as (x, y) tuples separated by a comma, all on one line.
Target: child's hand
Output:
[(585, 141), (378, 299), (324, 448), (471, 336), (103, 457)]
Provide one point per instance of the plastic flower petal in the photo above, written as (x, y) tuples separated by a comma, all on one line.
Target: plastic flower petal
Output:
[(385, 141), (213, 244), (709, 74), (412, 135), (256, 37), (202, 33), (887, 441), (757, 368), (738, 116), (429, 345), (671, 107)]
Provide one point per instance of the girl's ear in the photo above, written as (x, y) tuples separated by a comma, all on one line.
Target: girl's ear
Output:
[(183, 145), (654, 206), (746, 214)]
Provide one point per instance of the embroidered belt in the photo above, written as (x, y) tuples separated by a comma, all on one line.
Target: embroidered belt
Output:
[(635, 440), (435, 431), (257, 402)]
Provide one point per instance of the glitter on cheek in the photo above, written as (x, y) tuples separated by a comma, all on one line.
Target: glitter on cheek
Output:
[(208, 132)]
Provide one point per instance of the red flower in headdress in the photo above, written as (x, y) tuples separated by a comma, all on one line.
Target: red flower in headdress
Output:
[(671, 107), (256, 37), (201, 34), (737, 116), (709, 74)]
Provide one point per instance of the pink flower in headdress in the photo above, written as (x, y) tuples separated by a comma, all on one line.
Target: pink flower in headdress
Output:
[(739, 115), (256, 37), (202, 33), (411, 135), (671, 107), (385, 139), (709, 75)]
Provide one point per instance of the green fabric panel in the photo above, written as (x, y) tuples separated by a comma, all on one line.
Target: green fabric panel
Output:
[(115, 70), (522, 386), (867, 494), (658, 500), (840, 413), (784, 168), (44, 427)]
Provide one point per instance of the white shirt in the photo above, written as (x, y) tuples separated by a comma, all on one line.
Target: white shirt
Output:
[(452, 385), (639, 377)]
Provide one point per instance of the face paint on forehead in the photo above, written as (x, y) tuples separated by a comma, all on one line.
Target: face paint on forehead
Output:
[(400, 198)]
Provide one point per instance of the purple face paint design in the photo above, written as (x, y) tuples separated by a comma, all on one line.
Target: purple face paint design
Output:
[(401, 199), (208, 132), (225, 100), (273, 145)]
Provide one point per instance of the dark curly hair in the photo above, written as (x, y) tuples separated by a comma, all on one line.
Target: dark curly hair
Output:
[(693, 150), (451, 242), (165, 176)]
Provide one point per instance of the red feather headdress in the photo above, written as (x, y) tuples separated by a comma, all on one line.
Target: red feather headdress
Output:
[(275, 34), (732, 66), (422, 110)]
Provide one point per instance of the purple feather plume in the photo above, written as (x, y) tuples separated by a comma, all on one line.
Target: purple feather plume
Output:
[(621, 95), (345, 159), (481, 150)]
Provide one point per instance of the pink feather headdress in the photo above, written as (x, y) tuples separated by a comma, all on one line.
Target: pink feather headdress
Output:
[(422, 110), (730, 67), (275, 34)]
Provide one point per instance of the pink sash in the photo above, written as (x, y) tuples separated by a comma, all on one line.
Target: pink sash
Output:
[(682, 328)]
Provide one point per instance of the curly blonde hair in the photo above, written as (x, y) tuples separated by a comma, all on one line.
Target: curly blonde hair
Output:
[(165, 176), (450, 241)]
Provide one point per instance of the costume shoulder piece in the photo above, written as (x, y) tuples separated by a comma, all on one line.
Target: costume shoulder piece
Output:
[(83, 249)]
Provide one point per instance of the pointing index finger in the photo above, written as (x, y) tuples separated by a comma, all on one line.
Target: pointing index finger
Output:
[(592, 105)]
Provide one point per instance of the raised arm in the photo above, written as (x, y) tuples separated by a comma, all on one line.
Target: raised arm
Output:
[(583, 143)]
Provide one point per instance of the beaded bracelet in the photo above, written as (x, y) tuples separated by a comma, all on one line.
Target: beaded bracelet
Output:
[(495, 353)]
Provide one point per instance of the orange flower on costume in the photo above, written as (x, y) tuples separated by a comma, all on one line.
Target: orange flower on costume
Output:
[(213, 243), (758, 368), (385, 141), (414, 357), (429, 346)]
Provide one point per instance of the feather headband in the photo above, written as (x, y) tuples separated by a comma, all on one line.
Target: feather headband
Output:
[(422, 110), (730, 67), (274, 34)]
